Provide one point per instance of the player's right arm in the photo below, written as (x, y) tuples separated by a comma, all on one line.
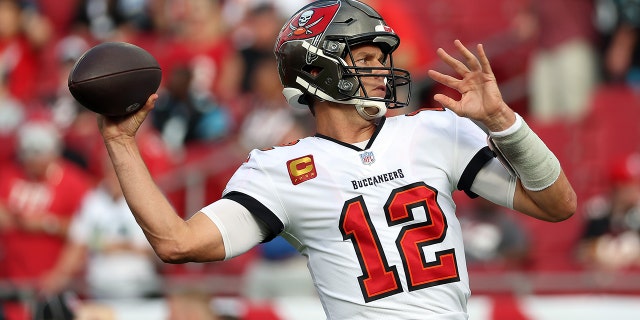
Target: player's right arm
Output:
[(173, 239)]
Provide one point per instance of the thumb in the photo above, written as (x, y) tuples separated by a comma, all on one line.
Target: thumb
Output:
[(139, 116), (148, 106)]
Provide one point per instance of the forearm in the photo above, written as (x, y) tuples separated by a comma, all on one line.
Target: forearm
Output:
[(160, 223), (555, 203)]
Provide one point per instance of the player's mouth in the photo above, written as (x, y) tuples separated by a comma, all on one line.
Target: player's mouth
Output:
[(379, 91)]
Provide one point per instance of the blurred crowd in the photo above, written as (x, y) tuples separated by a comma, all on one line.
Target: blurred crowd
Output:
[(65, 227)]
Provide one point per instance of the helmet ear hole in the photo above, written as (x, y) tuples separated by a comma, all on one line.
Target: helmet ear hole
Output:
[(312, 70)]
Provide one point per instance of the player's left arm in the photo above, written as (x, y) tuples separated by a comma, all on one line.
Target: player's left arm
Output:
[(543, 190), (499, 185), (556, 203)]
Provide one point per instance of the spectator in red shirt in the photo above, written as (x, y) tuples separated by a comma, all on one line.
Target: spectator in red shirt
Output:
[(38, 196), (22, 34), (201, 40), (611, 235)]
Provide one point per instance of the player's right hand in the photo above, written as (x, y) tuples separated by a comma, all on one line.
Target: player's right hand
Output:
[(125, 127)]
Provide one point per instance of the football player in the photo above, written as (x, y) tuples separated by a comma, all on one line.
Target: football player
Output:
[(368, 198)]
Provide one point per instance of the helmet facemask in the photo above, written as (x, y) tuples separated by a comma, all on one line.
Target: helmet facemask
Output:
[(397, 82)]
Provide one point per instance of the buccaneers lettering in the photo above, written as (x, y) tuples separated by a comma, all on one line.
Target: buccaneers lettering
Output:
[(373, 181)]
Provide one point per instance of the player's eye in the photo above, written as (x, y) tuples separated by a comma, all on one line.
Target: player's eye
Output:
[(384, 60)]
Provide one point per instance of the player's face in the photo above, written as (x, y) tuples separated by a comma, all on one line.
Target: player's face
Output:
[(370, 56)]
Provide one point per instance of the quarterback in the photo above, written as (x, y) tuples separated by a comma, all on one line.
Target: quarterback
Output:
[(368, 198)]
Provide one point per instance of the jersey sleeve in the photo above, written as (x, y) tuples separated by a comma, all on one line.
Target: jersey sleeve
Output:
[(240, 229), (482, 174), (470, 154), (494, 183), (252, 186)]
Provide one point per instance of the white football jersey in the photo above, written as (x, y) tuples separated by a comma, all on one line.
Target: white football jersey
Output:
[(378, 225)]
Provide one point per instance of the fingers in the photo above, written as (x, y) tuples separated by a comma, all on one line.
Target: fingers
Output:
[(152, 100), (444, 79), (484, 60), (149, 105), (472, 61), (457, 66)]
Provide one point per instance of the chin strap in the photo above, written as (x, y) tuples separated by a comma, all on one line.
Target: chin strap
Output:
[(363, 106), (366, 105)]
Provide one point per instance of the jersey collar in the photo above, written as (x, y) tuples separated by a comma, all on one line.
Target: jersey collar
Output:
[(348, 145)]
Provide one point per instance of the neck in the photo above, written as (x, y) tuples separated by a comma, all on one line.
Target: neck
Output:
[(342, 123)]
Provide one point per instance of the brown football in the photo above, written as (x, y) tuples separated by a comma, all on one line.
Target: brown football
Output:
[(114, 78)]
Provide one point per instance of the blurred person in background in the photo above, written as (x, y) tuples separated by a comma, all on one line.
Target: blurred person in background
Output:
[(18, 66), (235, 11), (619, 25), (191, 305), (12, 114), (611, 235), (23, 33), (270, 121), (94, 311), (108, 20), (253, 38), (200, 39), (186, 116), (73, 120), (262, 93), (493, 238), (106, 245), (38, 196), (563, 66), (64, 108)]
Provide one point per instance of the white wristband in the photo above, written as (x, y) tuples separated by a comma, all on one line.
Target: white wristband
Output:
[(513, 128)]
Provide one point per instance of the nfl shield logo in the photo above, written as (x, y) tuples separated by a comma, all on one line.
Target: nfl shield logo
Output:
[(367, 157)]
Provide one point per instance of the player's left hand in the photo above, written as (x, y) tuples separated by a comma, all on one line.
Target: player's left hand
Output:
[(481, 99)]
